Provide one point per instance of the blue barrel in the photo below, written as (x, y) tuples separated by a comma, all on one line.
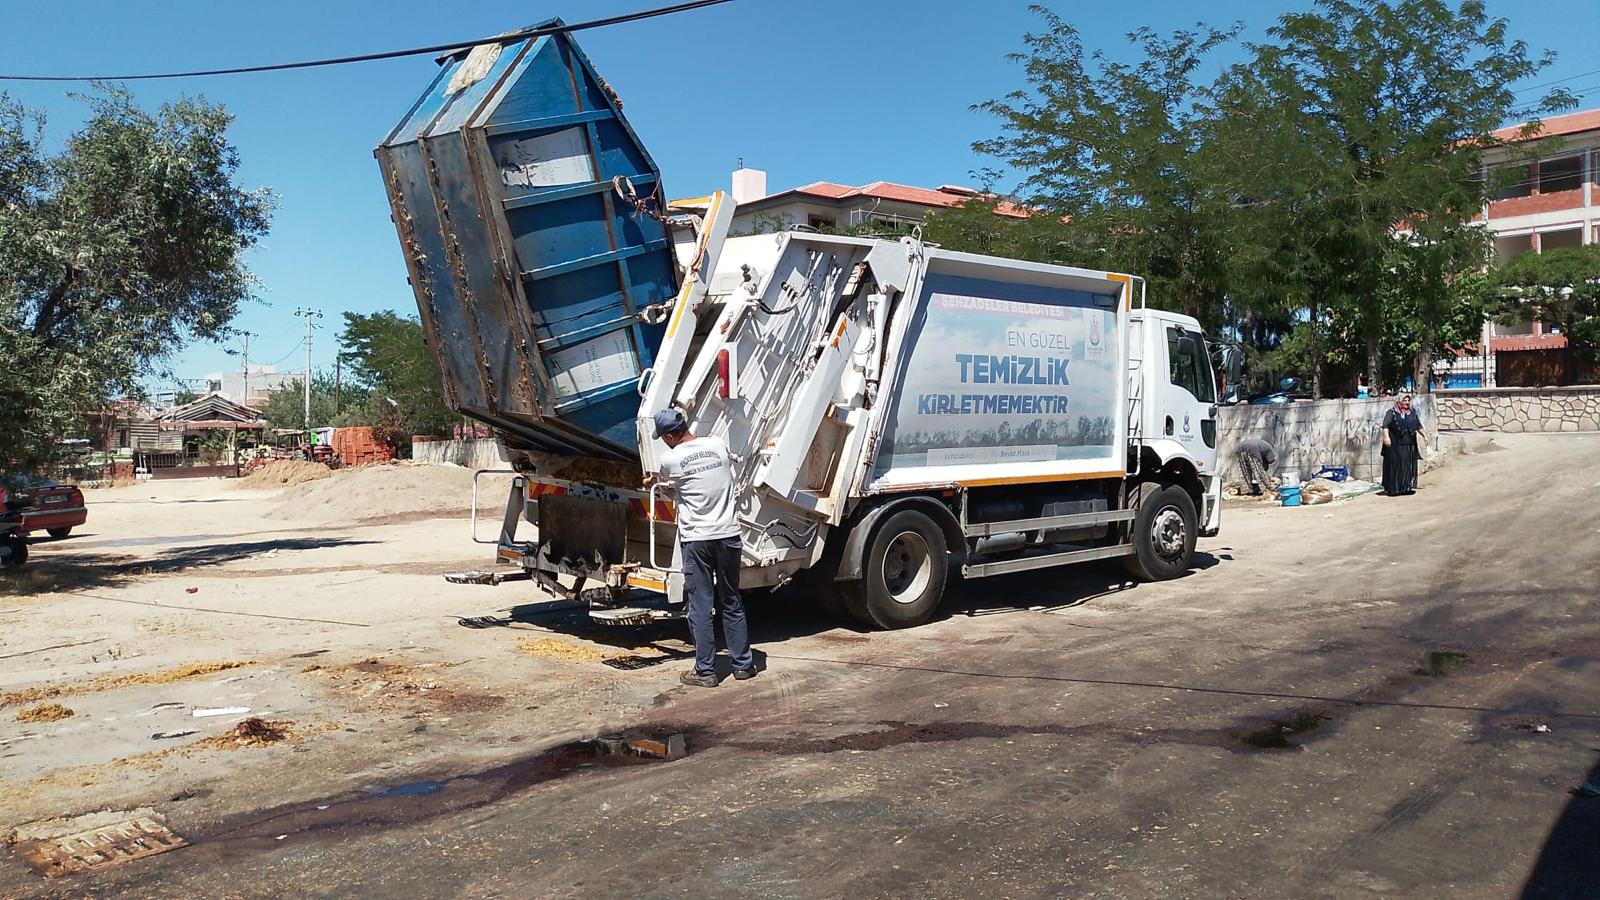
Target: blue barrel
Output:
[(529, 271), (1289, 494)]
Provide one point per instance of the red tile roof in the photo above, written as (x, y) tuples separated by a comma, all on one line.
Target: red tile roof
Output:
[(1557, 126), (1513, 343), (946, 196)]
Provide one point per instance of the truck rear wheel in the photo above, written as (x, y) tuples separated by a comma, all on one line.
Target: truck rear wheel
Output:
[(903, 572), (1164, 533)]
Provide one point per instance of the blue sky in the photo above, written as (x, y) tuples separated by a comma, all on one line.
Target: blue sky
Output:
[(841, 90)]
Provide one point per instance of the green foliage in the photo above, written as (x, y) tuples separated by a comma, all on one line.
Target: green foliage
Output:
[(118, 249), (1560, 288), (387, 355), (1119, 160), (285, 404), (1352, 122), (1266, 202)]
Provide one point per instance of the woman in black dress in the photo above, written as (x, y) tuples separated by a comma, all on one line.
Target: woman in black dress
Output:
[(1401, 432)]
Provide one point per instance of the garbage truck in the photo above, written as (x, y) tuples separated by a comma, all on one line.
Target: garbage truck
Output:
[(897, 411)]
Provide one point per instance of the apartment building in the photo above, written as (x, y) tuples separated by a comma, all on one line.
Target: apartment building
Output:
[(1554, 201)]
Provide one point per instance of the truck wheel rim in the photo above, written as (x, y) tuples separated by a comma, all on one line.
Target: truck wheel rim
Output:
[(1167, 533), (907, 567)]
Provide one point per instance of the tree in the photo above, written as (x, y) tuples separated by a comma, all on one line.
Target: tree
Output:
[(1358, 120), (1120, 159), (285, 404), (119, 248), (1559, 288), (387, 357)]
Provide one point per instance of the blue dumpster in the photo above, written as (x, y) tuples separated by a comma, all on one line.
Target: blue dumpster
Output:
[(529, 269)]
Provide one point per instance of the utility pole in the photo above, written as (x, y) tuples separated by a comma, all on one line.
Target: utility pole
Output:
[(247, 335), (309, 315)]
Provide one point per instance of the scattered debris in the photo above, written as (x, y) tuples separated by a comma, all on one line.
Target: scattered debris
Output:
[(559, 649), (45, 712), (92, 842), (252, 732), (673, 746), (1590, 788), (111, 682), (202, 712), (168, 735), (191, 590), (1541, 729), (170, 704)]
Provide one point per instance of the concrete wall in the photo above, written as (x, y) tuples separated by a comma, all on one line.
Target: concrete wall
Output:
[(474, 454), (1520, 409), (1309, 435)]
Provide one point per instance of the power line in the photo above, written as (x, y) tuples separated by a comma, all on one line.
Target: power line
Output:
[(508, 37), (1557, 81), (280, 359)]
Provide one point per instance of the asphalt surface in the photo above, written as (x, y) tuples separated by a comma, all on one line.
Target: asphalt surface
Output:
[(1341, 701)]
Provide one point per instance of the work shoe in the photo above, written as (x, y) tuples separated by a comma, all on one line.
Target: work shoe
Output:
[(695, 679), (745, 674)]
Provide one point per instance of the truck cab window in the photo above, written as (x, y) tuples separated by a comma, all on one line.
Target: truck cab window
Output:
[(1189, 368)]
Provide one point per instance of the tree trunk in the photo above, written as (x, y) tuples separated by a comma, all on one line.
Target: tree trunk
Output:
[(1316, 355), (1422, 363), (1374, 342)]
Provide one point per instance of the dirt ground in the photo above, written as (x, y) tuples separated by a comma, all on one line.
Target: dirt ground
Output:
[(1378, 696)]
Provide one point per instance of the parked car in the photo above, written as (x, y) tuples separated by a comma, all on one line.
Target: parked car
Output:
[(45, 504)]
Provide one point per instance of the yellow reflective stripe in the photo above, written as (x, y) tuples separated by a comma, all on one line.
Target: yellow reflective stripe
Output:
[(699, 255), (1033, 479), (1127, 287)]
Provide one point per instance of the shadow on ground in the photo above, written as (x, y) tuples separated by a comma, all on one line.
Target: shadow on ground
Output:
[(794, 612), (1569, 863), (46, 573)]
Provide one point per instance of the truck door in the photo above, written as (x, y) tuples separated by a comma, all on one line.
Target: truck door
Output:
[(1190, 414)]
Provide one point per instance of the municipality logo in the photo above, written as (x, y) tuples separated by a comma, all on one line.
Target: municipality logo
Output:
[(1185, 423)]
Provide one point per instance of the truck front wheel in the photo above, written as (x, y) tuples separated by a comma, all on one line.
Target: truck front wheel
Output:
[(1164, 533), (904, 573)]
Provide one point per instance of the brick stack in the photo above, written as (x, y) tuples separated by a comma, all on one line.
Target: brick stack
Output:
[(357, 447)]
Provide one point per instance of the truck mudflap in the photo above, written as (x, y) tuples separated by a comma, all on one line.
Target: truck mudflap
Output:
[(1211, 506)]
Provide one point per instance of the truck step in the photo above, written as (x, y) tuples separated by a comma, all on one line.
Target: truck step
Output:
[(633, 615)]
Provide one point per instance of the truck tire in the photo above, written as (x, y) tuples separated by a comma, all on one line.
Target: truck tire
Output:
[(904, 572), (59, 533), (1164, 533)]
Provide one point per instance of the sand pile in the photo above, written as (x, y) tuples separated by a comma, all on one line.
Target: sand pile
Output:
[(394, 491), (284, 472)]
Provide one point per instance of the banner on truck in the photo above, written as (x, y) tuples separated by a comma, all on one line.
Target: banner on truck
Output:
[(1000, 373)]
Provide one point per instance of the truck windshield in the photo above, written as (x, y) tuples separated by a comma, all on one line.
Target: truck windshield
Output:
[(1190, 368)]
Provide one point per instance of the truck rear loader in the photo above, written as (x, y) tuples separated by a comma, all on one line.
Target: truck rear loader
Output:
[(893, 407)]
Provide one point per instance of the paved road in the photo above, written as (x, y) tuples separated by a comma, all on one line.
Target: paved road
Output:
[(1341, 702)]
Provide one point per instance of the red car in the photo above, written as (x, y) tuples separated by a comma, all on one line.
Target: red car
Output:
[(50, 506)]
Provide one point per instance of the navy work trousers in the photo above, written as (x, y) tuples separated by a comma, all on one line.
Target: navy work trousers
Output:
[(711, 577)]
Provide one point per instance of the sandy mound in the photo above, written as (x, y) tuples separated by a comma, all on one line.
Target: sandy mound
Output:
[(382, 492), (284, 472)]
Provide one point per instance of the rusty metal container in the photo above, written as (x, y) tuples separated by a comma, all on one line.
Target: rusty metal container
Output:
[(529, 270)]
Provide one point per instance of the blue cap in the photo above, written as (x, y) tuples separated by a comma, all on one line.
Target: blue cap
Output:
[(670, 421)]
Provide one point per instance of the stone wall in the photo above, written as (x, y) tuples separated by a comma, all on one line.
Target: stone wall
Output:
[(473, 454), (1308, 435), (1520, 409)]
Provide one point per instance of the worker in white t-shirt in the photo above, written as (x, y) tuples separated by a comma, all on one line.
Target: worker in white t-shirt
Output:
[(701, 471)]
